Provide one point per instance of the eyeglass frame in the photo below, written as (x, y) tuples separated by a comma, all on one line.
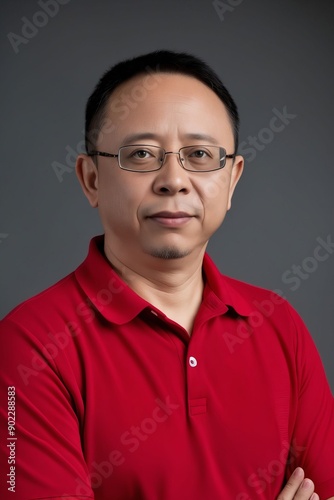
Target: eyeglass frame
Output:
[(165, 153)]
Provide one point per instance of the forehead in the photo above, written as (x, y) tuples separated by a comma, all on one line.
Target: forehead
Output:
[(167, 103)]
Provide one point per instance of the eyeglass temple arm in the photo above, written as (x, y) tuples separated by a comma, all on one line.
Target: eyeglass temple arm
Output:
[(100, 153)]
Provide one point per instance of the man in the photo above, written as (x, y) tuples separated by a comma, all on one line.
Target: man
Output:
[(145, 374)]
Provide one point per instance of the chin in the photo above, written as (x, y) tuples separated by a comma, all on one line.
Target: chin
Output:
[(168, 253)]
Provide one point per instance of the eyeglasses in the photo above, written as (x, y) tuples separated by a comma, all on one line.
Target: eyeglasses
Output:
[(146, 158)]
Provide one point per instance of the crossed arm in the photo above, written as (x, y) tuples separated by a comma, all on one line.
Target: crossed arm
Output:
[(299, 488)]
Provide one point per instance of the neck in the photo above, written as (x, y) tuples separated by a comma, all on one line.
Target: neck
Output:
[(173, 286)]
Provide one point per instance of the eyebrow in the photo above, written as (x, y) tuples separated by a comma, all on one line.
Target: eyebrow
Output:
[(133, 138), (202, 137)]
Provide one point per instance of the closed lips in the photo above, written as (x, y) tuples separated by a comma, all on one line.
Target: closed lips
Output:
[(171, 215)]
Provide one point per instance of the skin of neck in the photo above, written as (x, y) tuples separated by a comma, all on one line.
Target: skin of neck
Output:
[(174, 286)]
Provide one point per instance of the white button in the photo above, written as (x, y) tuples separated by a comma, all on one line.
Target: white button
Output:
[(192, 361)]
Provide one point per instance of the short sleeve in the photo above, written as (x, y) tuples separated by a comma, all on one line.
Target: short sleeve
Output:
[(41, 450), (313, 433)]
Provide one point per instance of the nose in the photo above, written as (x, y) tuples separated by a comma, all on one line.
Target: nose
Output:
[(172, 178)]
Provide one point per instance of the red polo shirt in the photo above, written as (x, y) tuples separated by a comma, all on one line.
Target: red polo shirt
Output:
[(114, 401)]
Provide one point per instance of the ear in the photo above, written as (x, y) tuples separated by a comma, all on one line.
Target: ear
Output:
[(237, 169), (87, 174)]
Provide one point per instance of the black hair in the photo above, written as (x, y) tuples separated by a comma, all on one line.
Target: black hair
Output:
[(161, 61)]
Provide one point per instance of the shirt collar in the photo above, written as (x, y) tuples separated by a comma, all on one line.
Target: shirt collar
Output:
[(105, 290), (225, 289), (119, 304)]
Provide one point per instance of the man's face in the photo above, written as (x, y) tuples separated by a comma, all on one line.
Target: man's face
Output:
[(169, 213)]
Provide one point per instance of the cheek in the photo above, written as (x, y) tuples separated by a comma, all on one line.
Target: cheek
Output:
[(215, 193), (119, 200)]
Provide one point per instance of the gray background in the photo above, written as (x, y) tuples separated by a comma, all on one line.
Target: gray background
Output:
[(270, 54)]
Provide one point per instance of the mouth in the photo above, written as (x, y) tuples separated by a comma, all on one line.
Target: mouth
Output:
[(171, 218)]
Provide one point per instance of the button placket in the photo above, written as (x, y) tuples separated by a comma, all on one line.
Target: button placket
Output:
[(196, 405)]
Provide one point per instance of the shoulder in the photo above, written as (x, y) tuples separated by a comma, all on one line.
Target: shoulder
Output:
[(269, 304), (267, 312), (232, 289), (55, 301), (250, 291), (39, 335)]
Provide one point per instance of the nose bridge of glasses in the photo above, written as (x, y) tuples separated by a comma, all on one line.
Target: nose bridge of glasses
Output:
[(178, 153)]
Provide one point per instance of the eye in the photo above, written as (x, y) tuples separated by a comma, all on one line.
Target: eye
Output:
[(141, 154), (199, 154)]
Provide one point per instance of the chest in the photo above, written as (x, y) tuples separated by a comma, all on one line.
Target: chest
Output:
[(160, 409)]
